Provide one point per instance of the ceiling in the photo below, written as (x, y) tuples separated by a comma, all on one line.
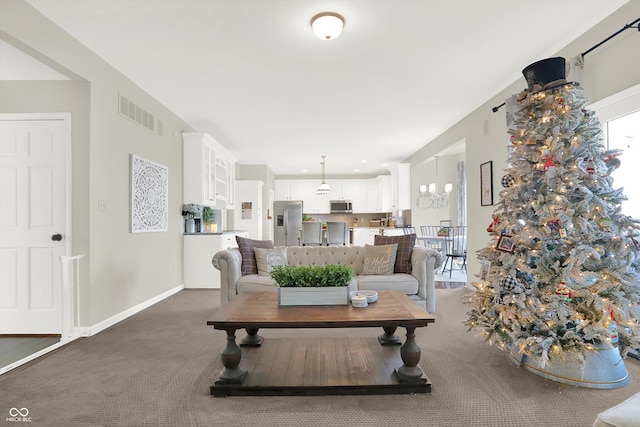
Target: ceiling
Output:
[(253, 75)]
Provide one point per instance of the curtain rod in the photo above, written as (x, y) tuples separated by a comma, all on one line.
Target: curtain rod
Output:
[(626, 27)]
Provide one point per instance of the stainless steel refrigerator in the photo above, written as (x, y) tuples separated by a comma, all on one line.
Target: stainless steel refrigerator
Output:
[(288, 222)]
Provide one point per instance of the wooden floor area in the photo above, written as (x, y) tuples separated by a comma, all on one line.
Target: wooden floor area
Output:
[(321, 366)]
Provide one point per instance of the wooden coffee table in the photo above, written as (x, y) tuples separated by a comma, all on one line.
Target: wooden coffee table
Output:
[(310, 365)]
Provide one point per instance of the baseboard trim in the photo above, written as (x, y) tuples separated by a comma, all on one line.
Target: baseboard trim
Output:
[(101, 326), (81, 332)]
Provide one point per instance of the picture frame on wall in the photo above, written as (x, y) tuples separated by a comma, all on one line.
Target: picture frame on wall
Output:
[(486, 183)]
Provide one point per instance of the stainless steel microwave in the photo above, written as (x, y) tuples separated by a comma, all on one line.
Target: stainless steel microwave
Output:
[(341, 206)]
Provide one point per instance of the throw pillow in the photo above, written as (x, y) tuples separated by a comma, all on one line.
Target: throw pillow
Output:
[(247, 246), (405, 249), (269, 258), (379, 260)]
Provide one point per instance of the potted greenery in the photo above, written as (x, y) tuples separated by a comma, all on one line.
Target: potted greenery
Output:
[(313, 284), (191, 212), (209, 218)]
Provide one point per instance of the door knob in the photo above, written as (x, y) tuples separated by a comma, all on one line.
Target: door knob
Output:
[(56, 237)]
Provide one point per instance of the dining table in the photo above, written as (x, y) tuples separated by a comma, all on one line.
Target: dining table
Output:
[(435, 240)]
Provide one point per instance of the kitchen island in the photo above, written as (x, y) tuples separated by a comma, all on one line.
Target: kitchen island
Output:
[(365, 235)]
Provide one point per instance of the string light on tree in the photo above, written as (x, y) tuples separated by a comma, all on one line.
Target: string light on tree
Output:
[(574, 265)]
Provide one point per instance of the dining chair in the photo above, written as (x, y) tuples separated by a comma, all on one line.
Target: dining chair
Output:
[(311, 233), (336, 233), (456, 248), (409, 230), (429, 237)]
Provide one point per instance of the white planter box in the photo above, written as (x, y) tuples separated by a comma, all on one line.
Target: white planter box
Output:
[(333, 295)]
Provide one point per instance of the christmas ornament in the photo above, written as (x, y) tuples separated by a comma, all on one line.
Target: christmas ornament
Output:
[(509, 283), (508, 180), (564, 292), (526, 277), (549, 166), (591, 167), (612, 163), (604, 224), (556, 230), (634, 241), (610, 323), (496, 221)]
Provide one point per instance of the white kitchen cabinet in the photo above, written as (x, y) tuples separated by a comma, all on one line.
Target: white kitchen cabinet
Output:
[(401, 186), (373, 198), (359, 196), (206, 170), (364, 235), (289, 189), (311, 202), (367, 195), (231, 184), (198, 251), (384, 193)]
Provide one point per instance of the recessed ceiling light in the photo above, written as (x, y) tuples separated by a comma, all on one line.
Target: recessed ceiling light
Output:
[(363, 161), (356, 170), (304, 171)]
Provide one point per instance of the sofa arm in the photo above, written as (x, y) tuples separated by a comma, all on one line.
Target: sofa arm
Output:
[(424, 262), (229, 262)]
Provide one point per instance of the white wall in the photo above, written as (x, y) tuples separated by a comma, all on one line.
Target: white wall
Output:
[(121, 269), (611, 68)]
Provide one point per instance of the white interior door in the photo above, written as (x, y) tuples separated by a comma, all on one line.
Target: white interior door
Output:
[(33, 200)]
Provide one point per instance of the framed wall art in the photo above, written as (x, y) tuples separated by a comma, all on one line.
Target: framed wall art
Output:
[(486, 184), (149, 196)]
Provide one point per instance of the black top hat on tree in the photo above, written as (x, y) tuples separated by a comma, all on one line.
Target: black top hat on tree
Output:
[(546, 74)]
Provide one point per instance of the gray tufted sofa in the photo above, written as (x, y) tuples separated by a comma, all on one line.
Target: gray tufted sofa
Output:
[(420, 284)]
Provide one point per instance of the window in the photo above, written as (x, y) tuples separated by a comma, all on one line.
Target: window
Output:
[(620, 118), (624, 133)]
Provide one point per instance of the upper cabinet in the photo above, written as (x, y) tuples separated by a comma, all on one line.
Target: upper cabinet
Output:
[(401, 186), (208, 171), (289, 189), (367, 195)]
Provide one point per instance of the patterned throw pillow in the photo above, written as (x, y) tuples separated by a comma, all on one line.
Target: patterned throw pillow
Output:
[(247, 246), (379, 260), (269, 258), (405, 249)]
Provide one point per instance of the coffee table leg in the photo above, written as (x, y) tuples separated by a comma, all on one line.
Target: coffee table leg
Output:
[(252, 339), (410, 353), (389, 337), (230, 357)]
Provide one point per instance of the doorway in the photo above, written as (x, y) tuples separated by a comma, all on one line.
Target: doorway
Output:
[(34, 224)]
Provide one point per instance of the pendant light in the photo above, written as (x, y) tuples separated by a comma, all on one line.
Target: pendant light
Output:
[(323, 188)]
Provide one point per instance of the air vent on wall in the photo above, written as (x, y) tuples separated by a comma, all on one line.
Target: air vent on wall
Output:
[(136, 114)]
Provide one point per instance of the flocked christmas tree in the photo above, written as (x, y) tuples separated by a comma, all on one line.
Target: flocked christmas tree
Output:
[(561, 272)]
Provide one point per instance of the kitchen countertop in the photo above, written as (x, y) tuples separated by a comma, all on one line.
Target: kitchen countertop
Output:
[(219, 233)]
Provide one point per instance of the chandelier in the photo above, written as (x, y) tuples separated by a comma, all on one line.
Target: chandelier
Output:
[(430, 197), (323, 189)]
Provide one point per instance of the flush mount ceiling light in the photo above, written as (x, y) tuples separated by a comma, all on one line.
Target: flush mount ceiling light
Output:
[(323, 189), (327, 25)]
